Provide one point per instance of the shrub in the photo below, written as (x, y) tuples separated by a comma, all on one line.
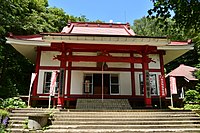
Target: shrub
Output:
[(14, 102), (192, 96), (191, 106), (2, 129), (3, 113), (1, 103)]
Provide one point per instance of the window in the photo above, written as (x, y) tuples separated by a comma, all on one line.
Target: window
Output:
[(47, 82), (114, 84), (153, 84), (88, 83), (92, 83)]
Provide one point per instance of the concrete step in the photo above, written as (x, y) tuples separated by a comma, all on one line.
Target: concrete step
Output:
[(16, 121), (166, 130), (18, 130), (130, 119), (25, 114), (110, 104), (121, 112), (125, 110), (34, 110), (18, 117), (16, 125), (124, 122), (182, 126), (123, 116)]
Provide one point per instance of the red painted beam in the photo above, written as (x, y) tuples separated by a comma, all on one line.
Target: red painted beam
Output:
[(101, 47), (95, 50), (102, 59)]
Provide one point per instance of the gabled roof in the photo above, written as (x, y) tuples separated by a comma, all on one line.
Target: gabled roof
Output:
[(98, 33), (183, 71), (98, 29)]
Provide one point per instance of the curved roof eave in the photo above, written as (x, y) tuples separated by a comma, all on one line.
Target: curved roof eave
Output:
[(27, 47), (174, 51)]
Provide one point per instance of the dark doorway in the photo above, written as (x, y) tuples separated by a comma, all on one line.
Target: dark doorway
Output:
[(97, 83)]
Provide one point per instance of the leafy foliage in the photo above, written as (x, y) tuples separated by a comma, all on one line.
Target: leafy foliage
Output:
[(192, 96), (191, 106), (16, 69), (14, 102), (4, 113), (149, 27), (2, 129), (24, 17), (186, 12), (25, 124), (192, 100)]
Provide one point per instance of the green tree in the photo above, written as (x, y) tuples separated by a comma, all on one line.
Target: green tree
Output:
[(149, 27), (185, 14), (24, 17)]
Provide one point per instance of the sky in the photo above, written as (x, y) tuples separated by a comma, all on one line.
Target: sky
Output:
[(122, 11)]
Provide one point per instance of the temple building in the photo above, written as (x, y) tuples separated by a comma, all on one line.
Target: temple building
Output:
[(178, 81), (99, 60)]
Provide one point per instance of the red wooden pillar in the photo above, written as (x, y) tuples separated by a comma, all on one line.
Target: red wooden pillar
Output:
[(34, 92), (69, 76), (132, 76), (146, 83), (62, 78), (162, 64)]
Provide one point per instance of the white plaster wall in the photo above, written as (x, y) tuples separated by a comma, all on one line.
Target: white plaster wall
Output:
[(137, 55), (120, 54), (77, 82), (95, 54), (41, 81), (118, 65), (137, 81), (152, 65), (85, 53), (138, 65), (125, 83), (47, 58), (156, 64), (84, 64), (94, 64)]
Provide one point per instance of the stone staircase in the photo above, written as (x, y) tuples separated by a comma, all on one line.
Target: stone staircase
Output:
[(105, 104), (127, 121), (19, 117), (110, 121)]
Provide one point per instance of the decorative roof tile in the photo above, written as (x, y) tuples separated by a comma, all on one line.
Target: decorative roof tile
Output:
[(98, 29)]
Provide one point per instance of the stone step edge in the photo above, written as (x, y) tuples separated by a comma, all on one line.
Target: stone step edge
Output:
[(123, 122), (122, 130), (126, 118), (130, 110)]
